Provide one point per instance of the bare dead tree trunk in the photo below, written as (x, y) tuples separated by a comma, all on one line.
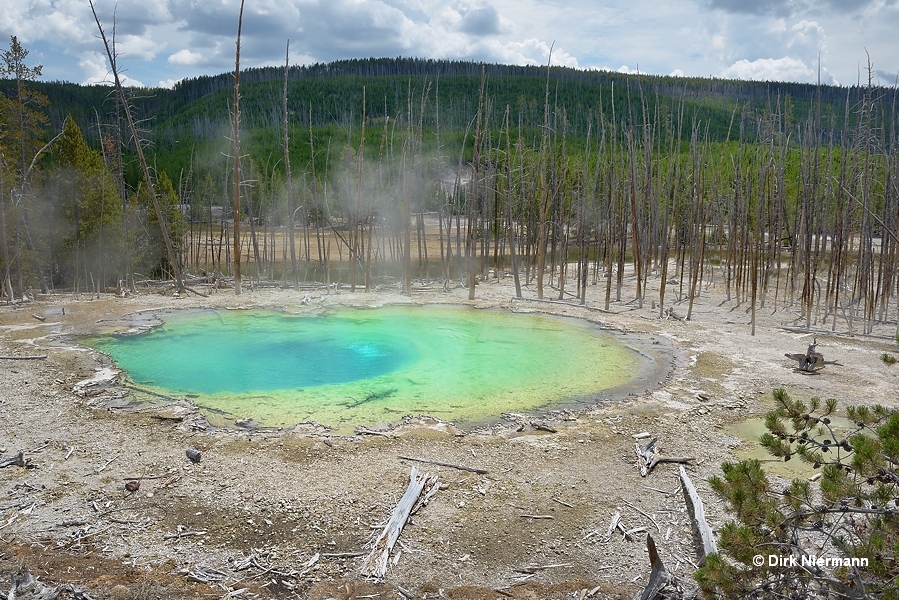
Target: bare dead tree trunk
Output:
[(543, 211), (235, 132), (7, 282), (287, 179), (167, 240), (470, 245)]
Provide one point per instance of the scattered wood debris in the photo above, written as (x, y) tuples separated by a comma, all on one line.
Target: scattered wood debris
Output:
[(183, 533), (26, 587), (375, 564), (204, 574), (644, 514)]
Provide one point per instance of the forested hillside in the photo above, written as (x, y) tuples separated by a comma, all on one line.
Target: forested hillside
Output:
[(559, 173)]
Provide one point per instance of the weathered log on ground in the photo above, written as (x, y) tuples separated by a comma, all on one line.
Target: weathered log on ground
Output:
[(26, 587), (697, 516), (18, 460), (445, 464), (811, 361), (650, 455), (375, 564)]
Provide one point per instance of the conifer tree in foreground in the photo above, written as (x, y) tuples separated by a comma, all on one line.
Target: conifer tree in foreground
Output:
[(835, 537)]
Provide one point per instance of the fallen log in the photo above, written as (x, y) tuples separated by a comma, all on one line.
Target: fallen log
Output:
[(18, 460), (650, 455), (32, 357), (26, 587), (811, 361), (697, 516), (448, 465), (647, 456), (375, 564)]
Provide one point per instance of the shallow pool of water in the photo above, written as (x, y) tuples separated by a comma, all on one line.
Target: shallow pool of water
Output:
[(350, 367), (751, 430)]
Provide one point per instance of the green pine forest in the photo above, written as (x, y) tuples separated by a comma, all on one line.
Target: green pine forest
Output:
[(399, 171)]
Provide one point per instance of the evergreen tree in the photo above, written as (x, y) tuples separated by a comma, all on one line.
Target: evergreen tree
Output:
[(85, 213), (151, 256), (22, 125), (836, 538)]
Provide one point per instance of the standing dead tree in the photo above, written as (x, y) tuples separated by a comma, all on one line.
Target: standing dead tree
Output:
[(138, 146), (236, 140), (287, 179)]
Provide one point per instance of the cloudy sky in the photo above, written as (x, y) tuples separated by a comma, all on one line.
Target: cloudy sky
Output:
[(162, 41)]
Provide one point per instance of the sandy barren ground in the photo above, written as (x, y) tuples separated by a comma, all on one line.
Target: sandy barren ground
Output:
[(284, 514)]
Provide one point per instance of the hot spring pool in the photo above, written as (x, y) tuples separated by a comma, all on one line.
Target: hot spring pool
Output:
[(349, 367)]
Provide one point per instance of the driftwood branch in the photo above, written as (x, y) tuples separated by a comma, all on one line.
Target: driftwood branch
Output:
[(644, 514), (443, 464), (697, 516), (366, 431), (183, 534), (650, 455), (25, 586), (375, 564), (811, 361), (34, 357), (18, 460)]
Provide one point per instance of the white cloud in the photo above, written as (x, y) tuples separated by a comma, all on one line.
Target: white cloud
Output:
[(173, 39), (771, 69), (528, 52), (186, 58), (96, 71)]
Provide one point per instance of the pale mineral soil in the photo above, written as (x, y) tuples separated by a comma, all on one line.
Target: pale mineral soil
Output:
[(282, 498)]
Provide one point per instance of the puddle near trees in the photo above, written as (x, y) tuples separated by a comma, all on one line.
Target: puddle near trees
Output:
[(751, 430), (350, 367)]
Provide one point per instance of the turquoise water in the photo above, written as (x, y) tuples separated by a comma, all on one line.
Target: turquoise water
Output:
[(369, 366)]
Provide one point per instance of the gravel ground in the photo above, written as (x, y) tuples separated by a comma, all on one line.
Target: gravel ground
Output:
[(286, 513)]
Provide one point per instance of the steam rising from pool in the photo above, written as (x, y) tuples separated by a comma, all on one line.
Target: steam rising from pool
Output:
[(367, 366)]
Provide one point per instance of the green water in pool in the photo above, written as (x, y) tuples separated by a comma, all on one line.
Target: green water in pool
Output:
[(349, 367)]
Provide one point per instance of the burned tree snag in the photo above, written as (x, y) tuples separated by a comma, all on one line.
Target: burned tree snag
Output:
[(811, 361)]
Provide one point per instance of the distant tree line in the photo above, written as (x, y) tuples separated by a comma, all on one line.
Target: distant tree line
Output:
[(783, 194)]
